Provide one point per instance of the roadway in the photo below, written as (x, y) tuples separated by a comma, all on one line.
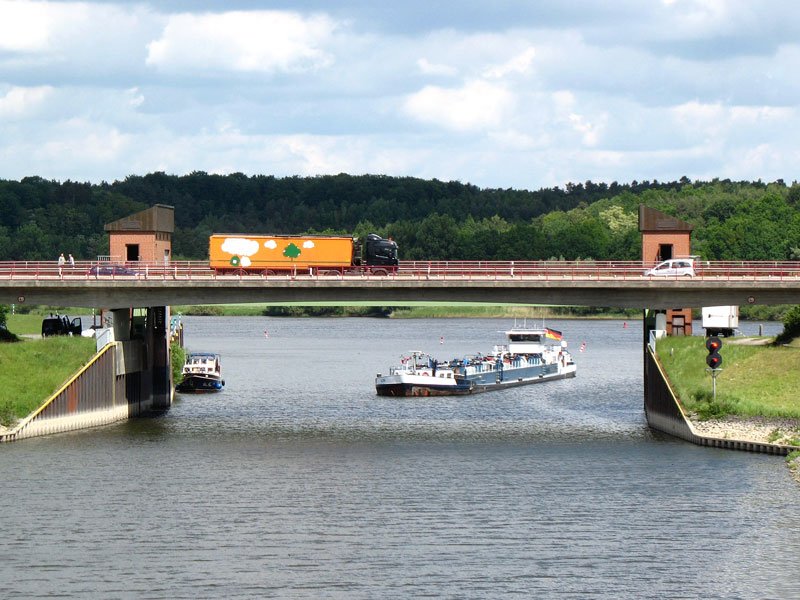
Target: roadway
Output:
[(555, 283)]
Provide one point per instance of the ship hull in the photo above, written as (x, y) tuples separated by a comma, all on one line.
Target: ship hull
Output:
[(407, 386)]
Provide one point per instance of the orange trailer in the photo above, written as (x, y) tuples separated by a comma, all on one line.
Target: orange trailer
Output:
[(273, 253)]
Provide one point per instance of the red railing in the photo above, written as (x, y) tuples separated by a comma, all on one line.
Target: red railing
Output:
[(542, 270)]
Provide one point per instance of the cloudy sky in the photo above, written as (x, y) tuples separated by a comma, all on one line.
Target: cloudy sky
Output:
[(501, 93)]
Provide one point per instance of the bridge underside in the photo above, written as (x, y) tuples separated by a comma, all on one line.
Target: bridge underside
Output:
[(660, 294)]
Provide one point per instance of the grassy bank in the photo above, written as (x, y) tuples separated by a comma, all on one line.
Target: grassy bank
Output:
[(414, 310), (756, 380), (31, 371)]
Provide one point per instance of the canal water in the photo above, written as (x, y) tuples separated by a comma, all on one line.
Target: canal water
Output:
[(298, 482)]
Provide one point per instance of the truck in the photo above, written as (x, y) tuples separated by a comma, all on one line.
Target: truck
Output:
[(720, 320), (314, 254), (61, 325)]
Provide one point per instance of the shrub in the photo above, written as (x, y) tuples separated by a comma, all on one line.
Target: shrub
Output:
[(204, 311), (177, 356), (791, 326), (707, 407)]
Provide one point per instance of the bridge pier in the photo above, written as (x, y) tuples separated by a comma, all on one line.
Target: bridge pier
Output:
[(143, 371), (130, 376)]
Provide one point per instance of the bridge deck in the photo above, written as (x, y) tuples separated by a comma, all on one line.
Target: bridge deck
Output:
[(584, 283)]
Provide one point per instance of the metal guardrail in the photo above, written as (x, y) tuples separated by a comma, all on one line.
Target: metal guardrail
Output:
[(533, 270)]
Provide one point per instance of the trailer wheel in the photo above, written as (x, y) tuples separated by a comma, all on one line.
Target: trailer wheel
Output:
[(380, 272), (267, 272)]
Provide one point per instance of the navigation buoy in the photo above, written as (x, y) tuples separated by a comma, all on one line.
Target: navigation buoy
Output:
[(583, 346), (441, 340)]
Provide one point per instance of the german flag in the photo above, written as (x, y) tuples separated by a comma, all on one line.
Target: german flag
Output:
[(553, 334)]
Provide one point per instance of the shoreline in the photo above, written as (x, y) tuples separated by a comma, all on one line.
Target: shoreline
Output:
[(751, 429)]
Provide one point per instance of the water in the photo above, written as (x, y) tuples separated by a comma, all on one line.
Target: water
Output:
[(298, 482)]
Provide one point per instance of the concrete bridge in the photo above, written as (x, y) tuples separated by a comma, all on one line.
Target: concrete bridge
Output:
[(135, 377), (555, 283)]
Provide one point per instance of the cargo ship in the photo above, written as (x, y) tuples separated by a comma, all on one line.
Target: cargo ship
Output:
[(530, 355)]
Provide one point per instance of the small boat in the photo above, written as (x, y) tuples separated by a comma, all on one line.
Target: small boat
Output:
[(202, 372), (531, 355)]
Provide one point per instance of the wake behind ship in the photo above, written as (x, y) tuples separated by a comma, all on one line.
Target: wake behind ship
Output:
[(531, 355)]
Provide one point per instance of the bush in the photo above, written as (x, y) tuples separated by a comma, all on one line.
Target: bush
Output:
[(7, 417), (204, 311), (791, 326), (177, 356), (707, 407)]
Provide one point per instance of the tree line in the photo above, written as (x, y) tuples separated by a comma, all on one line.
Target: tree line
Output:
[(429, 219)]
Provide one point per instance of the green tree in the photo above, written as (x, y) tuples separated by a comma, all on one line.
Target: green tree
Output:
[(292, 251)]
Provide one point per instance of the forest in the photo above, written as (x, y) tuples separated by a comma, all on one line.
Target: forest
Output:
[(429, 219)]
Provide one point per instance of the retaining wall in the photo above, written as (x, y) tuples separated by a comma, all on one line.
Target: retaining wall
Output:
[(664, 413), (109, 388)]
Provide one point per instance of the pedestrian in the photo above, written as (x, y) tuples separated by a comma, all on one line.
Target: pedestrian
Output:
[(61, 262), (71, 261)]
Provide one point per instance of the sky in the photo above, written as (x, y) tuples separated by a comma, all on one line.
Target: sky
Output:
[(520, 94)]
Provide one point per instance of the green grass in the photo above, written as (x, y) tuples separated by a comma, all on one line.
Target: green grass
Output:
[(25, 324), (31, 371), (754, 381), (416, 310), (30, 323)]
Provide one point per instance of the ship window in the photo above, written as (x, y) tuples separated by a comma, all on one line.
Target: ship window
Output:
[(524, 337)]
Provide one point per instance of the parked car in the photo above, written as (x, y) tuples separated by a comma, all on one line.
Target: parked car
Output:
[(61, 325), (674, 267), (111, 270)]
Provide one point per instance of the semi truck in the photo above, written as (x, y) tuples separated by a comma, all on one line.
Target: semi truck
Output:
[(314, 254), (720, 320)]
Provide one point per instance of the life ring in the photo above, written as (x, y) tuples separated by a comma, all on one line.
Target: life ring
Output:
[(425, 374)]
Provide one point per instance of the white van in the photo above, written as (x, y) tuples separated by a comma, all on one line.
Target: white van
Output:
[(674, 267)]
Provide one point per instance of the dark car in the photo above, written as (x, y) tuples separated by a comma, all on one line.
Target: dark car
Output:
[(61, 325), (111, 270)]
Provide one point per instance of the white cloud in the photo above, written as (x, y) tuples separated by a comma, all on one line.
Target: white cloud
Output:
[(590, 130), (537, 95), (240, 246), (25, 26), (255, 41), (270, 244), (136, 98), (22, 101), (428, 68), (519, 64), (474, 106), (308, 244)]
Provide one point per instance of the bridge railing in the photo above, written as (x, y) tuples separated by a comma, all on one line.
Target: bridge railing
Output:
[(544, 270)]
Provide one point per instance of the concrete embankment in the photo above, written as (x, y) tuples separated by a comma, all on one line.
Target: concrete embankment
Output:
[(665, 413), (113, 386)]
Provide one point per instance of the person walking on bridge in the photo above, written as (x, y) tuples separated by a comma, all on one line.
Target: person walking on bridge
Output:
[(61, 262)]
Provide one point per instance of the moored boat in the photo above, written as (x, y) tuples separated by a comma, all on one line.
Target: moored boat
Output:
[(530, 355), (202, 372)]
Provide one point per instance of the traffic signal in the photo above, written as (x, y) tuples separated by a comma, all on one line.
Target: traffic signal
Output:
[(713, 344)]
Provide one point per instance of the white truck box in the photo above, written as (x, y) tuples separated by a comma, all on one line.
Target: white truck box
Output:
[(720, 320)]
